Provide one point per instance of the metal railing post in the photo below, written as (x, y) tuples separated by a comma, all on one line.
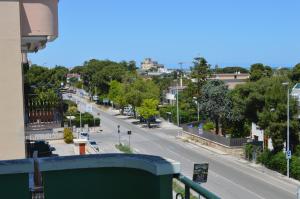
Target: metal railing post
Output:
[(187, 194), (189, 184)]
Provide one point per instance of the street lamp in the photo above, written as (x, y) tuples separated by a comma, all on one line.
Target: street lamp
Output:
[(80, 117), (198, 107), (177, 101), (288, 153)]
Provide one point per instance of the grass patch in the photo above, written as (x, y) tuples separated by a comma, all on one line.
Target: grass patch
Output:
[(124, 148), (178, 188)]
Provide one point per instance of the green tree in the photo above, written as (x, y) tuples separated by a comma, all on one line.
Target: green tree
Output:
[(295, 76), (139, 90), (68, 136), (273, 116), (200, 72), (72, 110), (148, 109), (258, 71), (215, 101), (117, 94), (49, 96)]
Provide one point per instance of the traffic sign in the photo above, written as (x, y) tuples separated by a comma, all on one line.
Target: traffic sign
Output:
[(200, 173), (289, 154)]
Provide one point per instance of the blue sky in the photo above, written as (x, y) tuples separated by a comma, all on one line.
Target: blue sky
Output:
[(225, 32)]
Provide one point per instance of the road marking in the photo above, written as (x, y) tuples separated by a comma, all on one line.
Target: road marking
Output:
[(241, 187)]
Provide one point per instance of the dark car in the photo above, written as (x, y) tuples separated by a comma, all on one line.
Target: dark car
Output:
[(151, 120), (42, 147)]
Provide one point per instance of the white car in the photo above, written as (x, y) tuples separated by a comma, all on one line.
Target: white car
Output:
[(94, 145)]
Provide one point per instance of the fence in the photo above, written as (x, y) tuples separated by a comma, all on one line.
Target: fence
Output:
[(230, 142), (45, 136)]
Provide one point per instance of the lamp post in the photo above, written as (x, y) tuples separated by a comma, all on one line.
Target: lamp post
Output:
[(177, 101), (80, 117), (288, 131), (177, 105)]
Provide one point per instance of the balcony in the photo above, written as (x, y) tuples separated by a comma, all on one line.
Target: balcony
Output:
[(94, 176), (39, 23)]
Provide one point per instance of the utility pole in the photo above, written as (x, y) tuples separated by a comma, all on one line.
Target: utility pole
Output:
[(288, 152), (288, 133), (177, 100)]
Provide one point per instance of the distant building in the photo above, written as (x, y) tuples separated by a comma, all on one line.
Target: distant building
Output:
[(230, 79), (296, 92), (170, 97), (150, 65), (73, 75), (258, 134)]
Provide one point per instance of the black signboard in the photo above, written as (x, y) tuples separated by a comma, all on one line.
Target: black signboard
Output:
[(129, 132), (200, 173)]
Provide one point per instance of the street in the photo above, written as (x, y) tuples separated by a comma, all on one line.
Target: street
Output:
[(228, 177)]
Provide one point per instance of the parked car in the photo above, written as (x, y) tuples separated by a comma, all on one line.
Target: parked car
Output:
[(84, 135), (94, 145), (128, 110), (143, 120), (42, 147)]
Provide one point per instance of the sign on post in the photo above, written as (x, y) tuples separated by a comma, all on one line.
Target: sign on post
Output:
[(200, 173), (289, 154), (200, 129)]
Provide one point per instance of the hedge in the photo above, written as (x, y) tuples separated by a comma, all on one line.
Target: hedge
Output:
[(277, 162), (86, 118)]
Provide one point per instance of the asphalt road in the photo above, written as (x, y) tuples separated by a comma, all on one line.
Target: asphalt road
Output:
[(228, 177)]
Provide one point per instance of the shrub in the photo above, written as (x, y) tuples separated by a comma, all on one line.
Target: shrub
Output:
[(124, 148), (86, 118), (297, 151), (248, 151), (295, 167), (208, 126), (264, 157), (68, 136), (278, 162)]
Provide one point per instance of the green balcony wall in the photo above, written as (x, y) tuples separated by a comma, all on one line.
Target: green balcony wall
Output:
[(14, 186), (106, 183)]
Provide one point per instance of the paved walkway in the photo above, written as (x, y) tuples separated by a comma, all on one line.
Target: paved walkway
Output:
[(62, 149)]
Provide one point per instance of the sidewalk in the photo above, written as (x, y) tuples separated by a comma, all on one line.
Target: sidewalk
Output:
[(62, 149)]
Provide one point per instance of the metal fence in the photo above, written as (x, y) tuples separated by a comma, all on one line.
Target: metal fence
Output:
[(231, 142), (45, 136)]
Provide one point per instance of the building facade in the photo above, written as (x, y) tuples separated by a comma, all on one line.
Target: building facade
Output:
[(26, 27), (149, 64), (232, 79)]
